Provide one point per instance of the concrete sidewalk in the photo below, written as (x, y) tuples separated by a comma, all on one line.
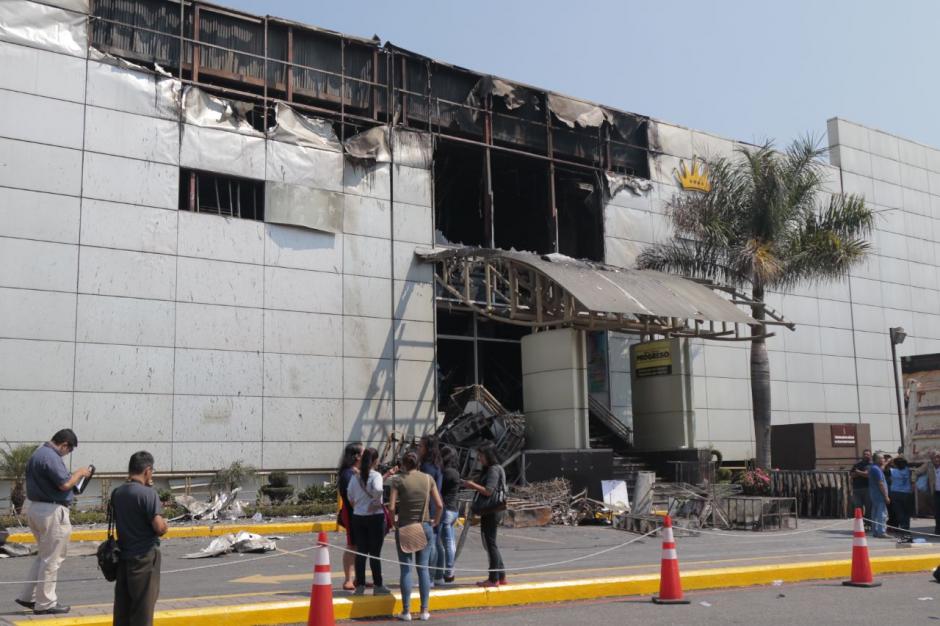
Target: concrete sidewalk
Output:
[(245, 590)]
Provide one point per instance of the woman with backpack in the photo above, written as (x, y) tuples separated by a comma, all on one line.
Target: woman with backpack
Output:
[(901, 492), (368, 521), (348, 469), (489, 504)]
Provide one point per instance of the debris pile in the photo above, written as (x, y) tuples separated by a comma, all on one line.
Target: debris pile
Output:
[(243, 542), (565, 508), (474, 417), (222, 506)]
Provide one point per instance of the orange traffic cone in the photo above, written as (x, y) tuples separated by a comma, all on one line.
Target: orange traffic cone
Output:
[(861, 566), (670, 586), (321, 594)]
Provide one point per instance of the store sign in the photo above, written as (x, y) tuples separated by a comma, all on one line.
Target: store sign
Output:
[(694, 176), (653, 358), (843, 435)]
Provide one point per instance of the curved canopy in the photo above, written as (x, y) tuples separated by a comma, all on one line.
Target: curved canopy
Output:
[(555, 290)]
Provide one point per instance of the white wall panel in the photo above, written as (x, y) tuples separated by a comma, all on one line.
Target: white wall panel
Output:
[(220, 151), (42, 73), (367, 379), (122, 273), (367, 337), (138, 417), (220, 282), (366, 296), (37, 414), (113, 456), (122, 89), (37, 264), (43, 120), (221, 238), (412, 185), (216, 418), (410, 267), (847, 134), (218, 327), (368, 421), (300, 290), (414, 341), (36, 365), (303, 419), (60, 172), (674, 140), (301, 454), (130, 135), (414, 380), (130, 321), (883, 144), (804, 367), (413, 222), (302, 376), (130, 181), (414, 301), (364, 215), (123, 369), (306, 166), (291, 332), (218, 373), (128, 227), (374, 181), (43, 26), (32, 314), (288, 246), (367, 256), (35, 215), (196, 456)]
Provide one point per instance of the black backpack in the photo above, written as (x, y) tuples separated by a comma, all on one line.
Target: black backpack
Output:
[(109, 554)]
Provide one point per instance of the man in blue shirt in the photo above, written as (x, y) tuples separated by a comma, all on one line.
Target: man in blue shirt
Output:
[(49, 494), (138, 516), (878, 492)]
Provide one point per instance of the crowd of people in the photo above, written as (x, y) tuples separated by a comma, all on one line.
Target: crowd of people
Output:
[(885, 489), (421, 510)]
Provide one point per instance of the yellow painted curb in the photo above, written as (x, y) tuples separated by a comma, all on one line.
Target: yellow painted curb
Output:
[(525, 593), (285, 528)]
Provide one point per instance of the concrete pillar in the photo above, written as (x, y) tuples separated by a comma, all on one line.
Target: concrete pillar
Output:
[(660, 374), (554, 388)]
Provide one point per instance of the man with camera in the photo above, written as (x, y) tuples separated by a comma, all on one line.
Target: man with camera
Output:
[(138, 516), (49, 494)]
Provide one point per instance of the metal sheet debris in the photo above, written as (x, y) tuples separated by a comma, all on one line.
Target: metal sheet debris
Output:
[(310, 132), (202, 510), (370, 145), (202, 109), (404, 147), (43, 26), (12, 549), (573, 112), (242, 542), (620, 182), (214, 150), (295, 205)]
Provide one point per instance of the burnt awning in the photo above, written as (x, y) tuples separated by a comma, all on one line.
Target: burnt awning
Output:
[(555, 290)]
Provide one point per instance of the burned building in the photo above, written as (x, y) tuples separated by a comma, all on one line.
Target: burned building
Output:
[(227, 236)]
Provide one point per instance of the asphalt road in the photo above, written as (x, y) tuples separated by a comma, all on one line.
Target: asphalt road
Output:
[(233, 578), (902, 599)]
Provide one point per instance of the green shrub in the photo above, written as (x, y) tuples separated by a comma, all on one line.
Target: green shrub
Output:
[(325, 493), (723, 475), (235, 475), (278, 479)]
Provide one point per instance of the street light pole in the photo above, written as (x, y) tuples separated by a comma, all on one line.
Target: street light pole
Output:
[(897, 336)]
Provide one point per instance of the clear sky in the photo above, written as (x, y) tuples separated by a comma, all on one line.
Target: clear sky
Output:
[(748, 70)]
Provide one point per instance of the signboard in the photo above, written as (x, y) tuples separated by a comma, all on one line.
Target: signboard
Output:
[(653, 358), (843, 435)]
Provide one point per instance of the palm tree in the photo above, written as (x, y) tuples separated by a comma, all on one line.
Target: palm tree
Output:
[(766, 224), (13, 466)]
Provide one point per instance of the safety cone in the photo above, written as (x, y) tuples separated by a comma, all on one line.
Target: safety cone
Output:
[(861, 566), (670, 586), (321, 593)]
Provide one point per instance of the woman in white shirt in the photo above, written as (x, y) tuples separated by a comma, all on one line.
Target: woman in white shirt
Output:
[(368, 521)]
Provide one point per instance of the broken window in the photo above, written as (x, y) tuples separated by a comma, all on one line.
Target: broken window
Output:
[(578, 197), (143, 30), (458, 193), (522, 213), (204, 192), (476, 350)]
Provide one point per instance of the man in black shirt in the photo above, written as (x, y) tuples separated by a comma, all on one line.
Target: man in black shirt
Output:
[(138, 516), (860, 498)]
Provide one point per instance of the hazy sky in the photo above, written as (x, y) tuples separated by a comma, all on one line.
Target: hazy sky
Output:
[(748, 70)]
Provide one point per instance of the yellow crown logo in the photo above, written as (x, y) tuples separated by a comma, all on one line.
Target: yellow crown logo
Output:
[(694, 176)]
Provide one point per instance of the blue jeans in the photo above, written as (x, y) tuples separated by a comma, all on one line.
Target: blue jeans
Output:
[(449, 541), (879, 515), (420, 558)]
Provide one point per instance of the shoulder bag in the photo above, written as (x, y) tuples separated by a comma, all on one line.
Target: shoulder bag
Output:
[(109, 554), (496, 501), (411, 537)]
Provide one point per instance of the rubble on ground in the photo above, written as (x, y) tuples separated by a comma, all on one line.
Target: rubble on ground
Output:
[(222, 506), (242, 542), (528, 503)]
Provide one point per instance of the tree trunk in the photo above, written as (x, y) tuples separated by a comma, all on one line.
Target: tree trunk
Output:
[(760, 383), (17, 496)]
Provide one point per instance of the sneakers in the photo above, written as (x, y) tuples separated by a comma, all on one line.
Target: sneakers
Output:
[(59, 609), (425, 616), (360, 590), (503, 581), (405, 617), (449, 580), (487, 583), (25, 604), (381, 590)]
